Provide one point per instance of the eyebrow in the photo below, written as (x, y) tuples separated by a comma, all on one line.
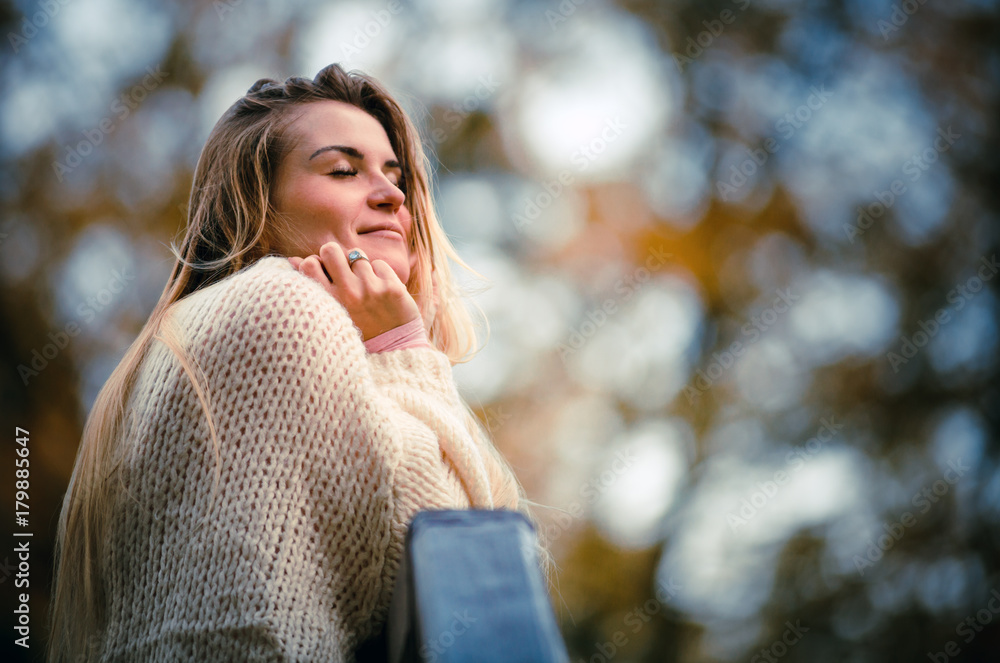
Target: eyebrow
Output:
[(351, 152)]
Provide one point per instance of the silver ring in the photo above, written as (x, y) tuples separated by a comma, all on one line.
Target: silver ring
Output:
[(354, 256)]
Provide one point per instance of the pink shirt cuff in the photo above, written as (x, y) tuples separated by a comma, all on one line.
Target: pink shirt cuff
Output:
[(409, 335)]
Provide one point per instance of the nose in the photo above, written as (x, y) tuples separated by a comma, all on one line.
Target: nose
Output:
[(385, 195)]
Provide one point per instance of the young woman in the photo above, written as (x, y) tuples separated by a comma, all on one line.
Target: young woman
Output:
[(248, 473)]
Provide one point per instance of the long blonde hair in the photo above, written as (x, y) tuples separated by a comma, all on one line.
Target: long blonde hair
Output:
[(231, 224)]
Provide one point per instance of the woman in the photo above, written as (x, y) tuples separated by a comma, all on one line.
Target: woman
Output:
[(247, 474)]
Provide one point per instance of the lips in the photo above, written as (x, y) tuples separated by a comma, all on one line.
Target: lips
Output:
[(383, 228)]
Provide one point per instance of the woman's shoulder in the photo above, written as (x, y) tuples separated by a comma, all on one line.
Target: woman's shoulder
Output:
[(269, 296), (267, 273), (270, 283)]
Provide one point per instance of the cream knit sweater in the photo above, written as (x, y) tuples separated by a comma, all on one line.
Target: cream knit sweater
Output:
[(327, 453)]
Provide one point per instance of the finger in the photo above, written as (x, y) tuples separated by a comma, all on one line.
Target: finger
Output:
[(387, 277), (382, 270), (295, 261), (313, 268), (334, 260), (363, 270)]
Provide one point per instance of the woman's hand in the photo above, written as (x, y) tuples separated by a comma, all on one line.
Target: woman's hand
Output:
[(373, 295)]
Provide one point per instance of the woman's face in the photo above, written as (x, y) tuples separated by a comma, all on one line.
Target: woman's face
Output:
[(341, 181)]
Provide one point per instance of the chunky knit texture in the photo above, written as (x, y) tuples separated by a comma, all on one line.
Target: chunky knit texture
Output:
[(327, 453)]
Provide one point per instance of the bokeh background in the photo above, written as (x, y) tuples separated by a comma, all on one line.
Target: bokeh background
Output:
[(741, 270)]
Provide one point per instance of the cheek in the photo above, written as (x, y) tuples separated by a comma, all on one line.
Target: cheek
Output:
[(316, 210), (406, 219), (408, 224)]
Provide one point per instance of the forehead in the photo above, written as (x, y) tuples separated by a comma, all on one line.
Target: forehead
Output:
[(327, 122)]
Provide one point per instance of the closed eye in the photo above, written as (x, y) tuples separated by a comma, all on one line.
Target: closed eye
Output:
[(343, 172), (395, 175)]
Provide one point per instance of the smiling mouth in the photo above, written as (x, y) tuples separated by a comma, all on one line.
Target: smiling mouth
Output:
[(382, 232), (385, 232)]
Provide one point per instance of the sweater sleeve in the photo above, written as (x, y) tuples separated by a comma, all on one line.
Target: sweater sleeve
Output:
[(409, 335), (326, 455)]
